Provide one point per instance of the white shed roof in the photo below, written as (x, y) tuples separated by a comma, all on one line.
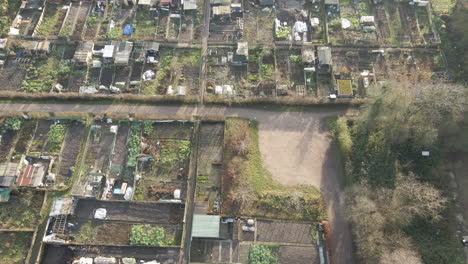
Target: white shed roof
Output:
[(190, 4), (108, 51), (206, 226)]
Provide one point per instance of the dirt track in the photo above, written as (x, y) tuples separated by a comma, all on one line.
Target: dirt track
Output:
[(295, 148)]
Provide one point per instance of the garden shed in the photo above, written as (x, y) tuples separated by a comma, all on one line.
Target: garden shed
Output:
[(190, 4), (206, 226), (324, 55), (62, 206), (8, 173), (221, 10), (31, 175), (108, 51), (122, 54), (308, 54), (84, 53), (220, 2), (147, 2)]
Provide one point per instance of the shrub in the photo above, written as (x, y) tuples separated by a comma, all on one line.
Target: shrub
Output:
[(283, 32), (342, 134), (295, 59), (148, 128), (13, 124), (56, 133), (184, 150), (134, 145), (148, 235), (262, 254)]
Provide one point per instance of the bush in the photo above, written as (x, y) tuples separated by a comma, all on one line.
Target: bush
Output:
[(295, 59), (13, 124), (134, 145), (148, 235), (148, 128), (56, 133), (184, 150), (343, 136), (283, 32), (262, 254)]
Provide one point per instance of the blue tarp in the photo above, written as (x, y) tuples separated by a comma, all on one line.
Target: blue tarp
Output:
[(128, 29)]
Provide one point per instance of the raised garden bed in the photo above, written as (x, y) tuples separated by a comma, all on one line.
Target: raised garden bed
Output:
[(121, 234), (22, 211), (15, 246), (54, 14)]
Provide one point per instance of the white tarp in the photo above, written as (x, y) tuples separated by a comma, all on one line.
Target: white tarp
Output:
[(148, 75), (129, 261), (108, 51), (128, 193), (88, 90), (300, 27), (86, 261), (100, 213), (367, 20), (345, 23), (218, 90), (104, 260), (314, 22), (180, 90), (228, 89)]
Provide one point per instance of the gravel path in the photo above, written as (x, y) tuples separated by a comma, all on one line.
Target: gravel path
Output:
[(295, 147)]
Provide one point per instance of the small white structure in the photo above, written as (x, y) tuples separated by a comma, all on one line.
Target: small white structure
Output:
[(108, 51), (242, 48), (177, 194), (129, 193), (218, 90), (147, 2), (190, 4), (114, 129), (100, 213), (88, 90), (419, 3), (425, 153), (3, 43), (104, 260), (180, 90), (367, 20), (83, 53), (83, 261), (148, 75), (129, 261), (314, 22), (228, 90), (345, 23)]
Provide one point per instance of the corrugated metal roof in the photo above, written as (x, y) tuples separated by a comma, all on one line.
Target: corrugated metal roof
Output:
[(206, 226)]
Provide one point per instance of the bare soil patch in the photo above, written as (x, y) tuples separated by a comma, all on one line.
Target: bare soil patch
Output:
[(132, 212), (297, 255), (285, 232)]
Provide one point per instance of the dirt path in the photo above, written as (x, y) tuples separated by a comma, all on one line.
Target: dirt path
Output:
[(295, 148)]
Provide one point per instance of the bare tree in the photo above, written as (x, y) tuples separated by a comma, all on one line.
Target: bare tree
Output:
[(412, 198), (401, 256)]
